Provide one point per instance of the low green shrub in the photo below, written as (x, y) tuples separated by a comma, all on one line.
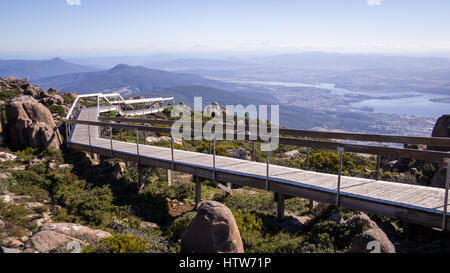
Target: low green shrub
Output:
[(119, 243), (179, 225), (253, 221)]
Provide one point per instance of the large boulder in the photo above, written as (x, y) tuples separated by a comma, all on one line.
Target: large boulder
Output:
[(439, 178), (373, 240), (31, 124), (213, 230)]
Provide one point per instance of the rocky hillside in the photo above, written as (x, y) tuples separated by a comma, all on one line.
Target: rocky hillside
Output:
[(56, 200)]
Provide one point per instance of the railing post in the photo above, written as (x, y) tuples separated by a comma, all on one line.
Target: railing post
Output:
[(378, 167), (120, 134), (338, 190), (89, 136), (214, 158), (137, 147), (111, 141), (307, 158), (447, 185), (171, 148)]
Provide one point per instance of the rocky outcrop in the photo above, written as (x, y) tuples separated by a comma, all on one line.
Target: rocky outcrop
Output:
[(31, 124), (213, 230)]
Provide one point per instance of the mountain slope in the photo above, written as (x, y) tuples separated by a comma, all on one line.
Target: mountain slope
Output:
[(34, 69), (134, 78)]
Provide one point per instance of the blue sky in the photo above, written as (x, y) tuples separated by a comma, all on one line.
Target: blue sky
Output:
[(124, 27)]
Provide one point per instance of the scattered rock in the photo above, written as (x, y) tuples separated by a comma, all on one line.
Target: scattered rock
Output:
[(7, 199), (372, 240), (5, 175), (32, 205), (118, 170), (152, 139), (51, 165), (76, 231), (9, 250), (145, 224), (2, 224), (240, 153), (291, 153), (15, 243), (65, 166), (292, 223), (24, 239), (337, 218), (7, 157), (35, 161), (46, 241), (31, 124), (213, 230)]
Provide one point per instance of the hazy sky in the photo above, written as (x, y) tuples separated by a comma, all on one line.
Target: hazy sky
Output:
[(119, 27)]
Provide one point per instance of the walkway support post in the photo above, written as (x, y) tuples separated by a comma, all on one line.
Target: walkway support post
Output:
[(137, 147), (338, 189), (198, 192), (280, 206), (267, 169), (171, 149), (111, 141), (214, 158), (447, 185)]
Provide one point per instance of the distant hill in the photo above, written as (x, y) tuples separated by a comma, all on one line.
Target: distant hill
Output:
[(34, 69), (196, 63), (133, 78), (337, 61)]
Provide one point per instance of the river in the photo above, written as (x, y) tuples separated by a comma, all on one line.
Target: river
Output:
[(412, 103)]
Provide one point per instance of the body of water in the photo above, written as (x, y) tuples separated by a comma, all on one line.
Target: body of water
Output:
[(413, 103)]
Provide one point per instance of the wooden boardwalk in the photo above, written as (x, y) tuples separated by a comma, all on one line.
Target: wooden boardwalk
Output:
[(412, 203)]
